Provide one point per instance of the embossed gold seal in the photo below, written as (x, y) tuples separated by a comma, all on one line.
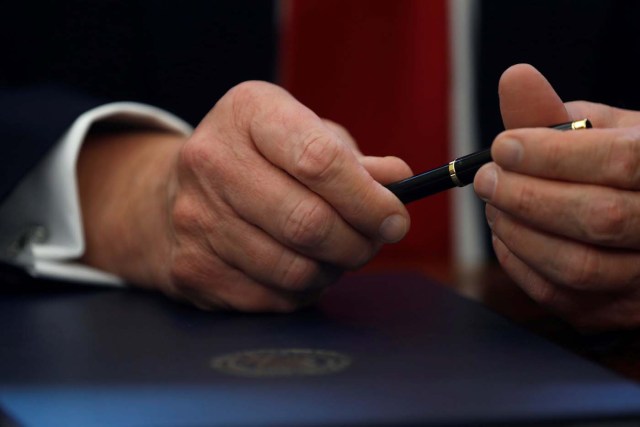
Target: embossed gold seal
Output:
[(284, 362)]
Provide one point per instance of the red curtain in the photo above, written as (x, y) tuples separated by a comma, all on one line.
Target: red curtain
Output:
[(381, 69)]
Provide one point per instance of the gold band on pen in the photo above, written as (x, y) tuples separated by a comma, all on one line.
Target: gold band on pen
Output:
[(580, 124), (452, 174)]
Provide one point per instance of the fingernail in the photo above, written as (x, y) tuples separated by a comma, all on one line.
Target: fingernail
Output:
[(508, 152), (485, 181), (490, 213), (393, 228)]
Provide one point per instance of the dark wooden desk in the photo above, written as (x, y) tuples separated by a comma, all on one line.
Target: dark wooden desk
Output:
[(489, 284)]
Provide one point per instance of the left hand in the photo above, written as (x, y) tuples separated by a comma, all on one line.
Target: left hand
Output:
[(260, 209), (564, 207)]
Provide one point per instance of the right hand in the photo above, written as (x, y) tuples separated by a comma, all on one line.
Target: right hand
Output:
[(564, 207), (260, 209)]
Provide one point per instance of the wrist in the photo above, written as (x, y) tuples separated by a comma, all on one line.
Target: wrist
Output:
[(125, 184)]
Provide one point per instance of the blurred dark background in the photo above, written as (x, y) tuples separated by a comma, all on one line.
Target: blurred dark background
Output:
[(180, 56), (588, 49), (183, 56)]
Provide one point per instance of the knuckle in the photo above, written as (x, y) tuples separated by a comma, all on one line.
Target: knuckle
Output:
[(197, 274), (195, 157), (243, 94), (247, 93), (186, 216), (317, 156), (246, 100), (624, 160), (606, 220), (309, 223), (527, 200), (582, 269), (539, 289), (298, 273), (556, 159)]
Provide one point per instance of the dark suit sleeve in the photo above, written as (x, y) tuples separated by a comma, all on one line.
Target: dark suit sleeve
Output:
[(33, 119)]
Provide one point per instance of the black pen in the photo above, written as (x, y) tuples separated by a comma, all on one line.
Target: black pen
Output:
[(456, 173)]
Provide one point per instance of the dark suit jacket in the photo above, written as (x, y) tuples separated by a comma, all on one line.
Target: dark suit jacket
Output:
[(62, 58)]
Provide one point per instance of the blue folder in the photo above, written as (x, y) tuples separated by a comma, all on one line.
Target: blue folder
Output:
[(378, 350)]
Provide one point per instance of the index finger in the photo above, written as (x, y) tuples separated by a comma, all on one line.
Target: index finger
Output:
[(608, 157), (296, 140), (601, 115)]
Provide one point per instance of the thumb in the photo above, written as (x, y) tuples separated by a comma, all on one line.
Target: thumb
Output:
[(527, 99)]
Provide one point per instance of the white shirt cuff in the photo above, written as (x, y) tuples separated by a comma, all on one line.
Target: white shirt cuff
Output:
[(41, 223)]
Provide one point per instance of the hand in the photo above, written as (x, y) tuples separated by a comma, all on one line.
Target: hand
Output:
[(259, 210), (564, 207)]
